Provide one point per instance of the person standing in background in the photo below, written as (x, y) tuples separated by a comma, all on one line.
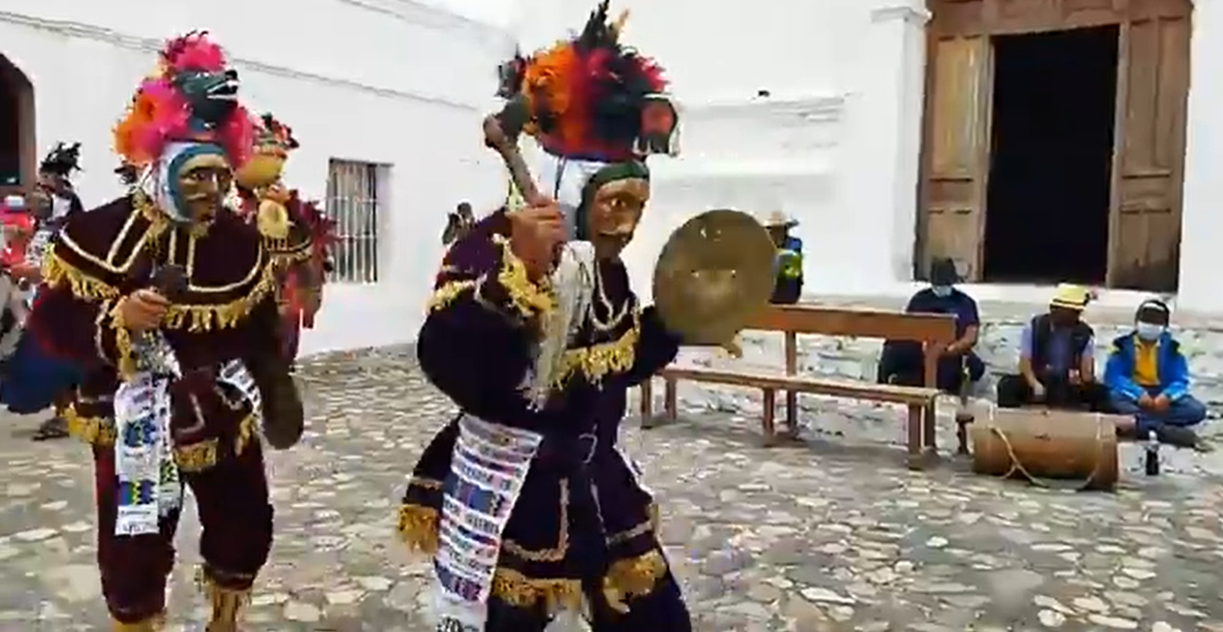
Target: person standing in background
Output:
[(458, 223), (789, 286), (55, 196)]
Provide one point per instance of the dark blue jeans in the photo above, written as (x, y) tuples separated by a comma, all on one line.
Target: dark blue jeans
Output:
[(1184, 411)]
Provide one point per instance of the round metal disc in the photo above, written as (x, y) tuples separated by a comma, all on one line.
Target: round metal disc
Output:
[(715, 272)]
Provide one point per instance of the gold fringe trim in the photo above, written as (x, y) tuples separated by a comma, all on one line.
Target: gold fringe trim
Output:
[(152, 624), (520, 591), (626, 579), (92, 430), (125, 363), (226, 604), (57, 272), (447, 293), (631, 578), (418, 528), (598, 361), (101, 432), (529, 298)]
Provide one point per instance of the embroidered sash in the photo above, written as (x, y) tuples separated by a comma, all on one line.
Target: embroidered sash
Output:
[(488, 467), (150, 484)]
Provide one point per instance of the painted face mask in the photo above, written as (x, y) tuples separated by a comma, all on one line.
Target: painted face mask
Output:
[(192, 181), (612, 205)]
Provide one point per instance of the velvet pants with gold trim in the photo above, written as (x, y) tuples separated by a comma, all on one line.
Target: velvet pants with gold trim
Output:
[(235, 513), (660, 610)]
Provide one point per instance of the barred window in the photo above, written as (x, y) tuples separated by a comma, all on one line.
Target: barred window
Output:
[(353, 203)]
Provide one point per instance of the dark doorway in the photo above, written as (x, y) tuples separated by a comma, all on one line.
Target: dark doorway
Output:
[(16, 128), (1047, 206)]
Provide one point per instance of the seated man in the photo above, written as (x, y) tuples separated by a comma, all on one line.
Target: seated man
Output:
[(789, 285), (901, 361), (1056, 359), (1147, 377)]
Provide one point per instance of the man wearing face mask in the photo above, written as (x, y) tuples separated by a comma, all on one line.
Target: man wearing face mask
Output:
[(1148, 377), (901, 361), (525, 502), (1056, 358), (167, 304)]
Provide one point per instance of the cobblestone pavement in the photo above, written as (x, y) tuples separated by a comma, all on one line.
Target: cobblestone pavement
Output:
[(836, 535)]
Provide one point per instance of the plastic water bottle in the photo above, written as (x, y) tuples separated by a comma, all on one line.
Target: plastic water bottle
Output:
[(1151, 456)]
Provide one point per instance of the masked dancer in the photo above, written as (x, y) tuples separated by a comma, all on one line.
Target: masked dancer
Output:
[(525, 502), (167, 302), (296, 234), (56, 198)]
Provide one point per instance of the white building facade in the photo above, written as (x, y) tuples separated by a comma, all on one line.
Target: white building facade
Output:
[(838, 141), (393, 90)]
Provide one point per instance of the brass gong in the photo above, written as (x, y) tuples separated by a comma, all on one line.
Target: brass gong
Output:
[(715, 272)]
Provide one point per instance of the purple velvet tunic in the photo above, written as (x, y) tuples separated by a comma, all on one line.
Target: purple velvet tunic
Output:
[(476, 347)]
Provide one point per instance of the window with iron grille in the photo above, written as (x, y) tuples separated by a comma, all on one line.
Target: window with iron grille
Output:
[(353, 203)]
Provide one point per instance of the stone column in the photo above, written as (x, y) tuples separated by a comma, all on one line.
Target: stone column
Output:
[(1202, 202), (879, 166)]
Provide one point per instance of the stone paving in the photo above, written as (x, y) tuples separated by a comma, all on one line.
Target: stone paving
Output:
[(833, 535)]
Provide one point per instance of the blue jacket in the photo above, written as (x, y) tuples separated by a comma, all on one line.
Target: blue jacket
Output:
[(1171, 365)]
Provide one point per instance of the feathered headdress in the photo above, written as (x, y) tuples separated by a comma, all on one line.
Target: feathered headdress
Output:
[(62, 160), (191, 97), (586, 95)]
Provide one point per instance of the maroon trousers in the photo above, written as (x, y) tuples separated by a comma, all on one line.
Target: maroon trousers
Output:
[(236, 516)]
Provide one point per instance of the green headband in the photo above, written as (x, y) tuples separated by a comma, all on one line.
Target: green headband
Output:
[(610, 173)]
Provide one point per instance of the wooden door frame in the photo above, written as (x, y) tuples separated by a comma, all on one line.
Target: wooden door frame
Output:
[(948, 18), (27, 144)]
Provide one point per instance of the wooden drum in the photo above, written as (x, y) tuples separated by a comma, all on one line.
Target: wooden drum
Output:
[(1078, 449)]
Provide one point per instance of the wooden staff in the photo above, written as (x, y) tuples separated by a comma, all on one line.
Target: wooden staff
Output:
[(501, 132)]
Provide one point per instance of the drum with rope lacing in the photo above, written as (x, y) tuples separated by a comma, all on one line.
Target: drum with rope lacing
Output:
[(1050, 448)]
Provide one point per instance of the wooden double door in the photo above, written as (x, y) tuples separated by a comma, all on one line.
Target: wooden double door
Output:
[(1149, 134)]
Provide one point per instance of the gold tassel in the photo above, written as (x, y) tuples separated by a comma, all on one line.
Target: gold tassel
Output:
[(529, 298), (226, 605), (91, 430), (632, 577), (520, 591), (418, 528), (447, 294), (152, 624), (126, 362)]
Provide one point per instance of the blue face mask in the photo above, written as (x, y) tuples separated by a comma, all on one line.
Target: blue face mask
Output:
[(1149, 331), (941, 291)]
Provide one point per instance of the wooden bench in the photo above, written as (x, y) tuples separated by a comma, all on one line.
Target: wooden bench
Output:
[(934, 331)]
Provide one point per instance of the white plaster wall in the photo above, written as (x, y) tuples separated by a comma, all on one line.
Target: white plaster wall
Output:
[(838, 143), (387, 81)]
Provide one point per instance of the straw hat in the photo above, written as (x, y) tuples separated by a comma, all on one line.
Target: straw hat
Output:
[(1070, 296), (779, 219)]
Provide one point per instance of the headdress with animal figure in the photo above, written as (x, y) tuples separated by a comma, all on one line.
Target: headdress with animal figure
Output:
[(62, 160), (273, 142), (259, 180), (593, 103), (184, 115)]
